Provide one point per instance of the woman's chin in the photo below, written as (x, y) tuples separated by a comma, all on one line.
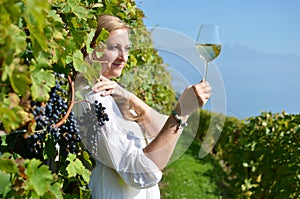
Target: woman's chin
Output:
[(112, 75), (118, 71)]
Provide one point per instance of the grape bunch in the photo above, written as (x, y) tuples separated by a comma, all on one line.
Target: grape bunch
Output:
[(100, 113), (65, 136), (92, 120), (94, 115), (35, 145)]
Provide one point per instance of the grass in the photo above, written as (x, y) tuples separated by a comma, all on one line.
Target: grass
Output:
[(191, 177)]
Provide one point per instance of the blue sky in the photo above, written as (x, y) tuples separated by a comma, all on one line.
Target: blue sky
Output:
[(260, 61), (270, 26)]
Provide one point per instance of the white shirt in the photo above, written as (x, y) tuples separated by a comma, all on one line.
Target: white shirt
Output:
[(122, 170)]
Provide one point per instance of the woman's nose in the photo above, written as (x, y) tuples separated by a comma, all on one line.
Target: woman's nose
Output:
[(123, 54)]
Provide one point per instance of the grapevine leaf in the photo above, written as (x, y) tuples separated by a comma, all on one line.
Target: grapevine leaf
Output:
[(85, 193), (73, 166), (31, 126), (86, 175), (78, 37), (14, 100), (35, 16), (8, 166), (90, 37), (87, 159), (12, 42), (79, 11), (133, 60), (42, 82), (20, 82), (12, 115), (79, 64), (71, 157), (58, 35), (39, 176), (4, 182), (55, 18), (36, 48), (55, 190), (102, 38), (42, 62), (8, 118), (18, 38), (13, 11), (23, 115), (7, 71), (39, 41), (76, 167)]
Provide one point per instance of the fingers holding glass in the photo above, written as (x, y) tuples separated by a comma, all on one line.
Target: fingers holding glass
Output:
[(203, 92)]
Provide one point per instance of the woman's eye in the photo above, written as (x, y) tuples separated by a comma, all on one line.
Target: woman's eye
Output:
[(118, 47), (113, 47), (127, 48)]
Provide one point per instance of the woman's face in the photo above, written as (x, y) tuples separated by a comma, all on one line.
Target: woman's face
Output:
[(116, 54)]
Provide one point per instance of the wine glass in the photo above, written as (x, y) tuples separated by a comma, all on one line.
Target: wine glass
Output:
[(208, 44)]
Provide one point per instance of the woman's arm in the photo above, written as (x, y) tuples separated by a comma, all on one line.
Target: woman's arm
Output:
[(162, 147), (152, 120)]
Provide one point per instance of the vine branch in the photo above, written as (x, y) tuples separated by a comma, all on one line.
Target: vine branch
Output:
[(71, 104)]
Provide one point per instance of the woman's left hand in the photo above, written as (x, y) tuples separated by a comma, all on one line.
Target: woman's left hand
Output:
[(194, 97)]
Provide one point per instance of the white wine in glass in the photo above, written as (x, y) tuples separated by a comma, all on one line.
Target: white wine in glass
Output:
[(208, 44)]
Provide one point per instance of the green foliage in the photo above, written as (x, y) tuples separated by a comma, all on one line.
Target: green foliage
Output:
[(47, 37), (40, 87), (39, 38), (254, 158), (262, 155), (76, 176), (24, 178)]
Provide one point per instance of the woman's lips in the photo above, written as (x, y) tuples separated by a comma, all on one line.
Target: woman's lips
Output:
[(119, 65)]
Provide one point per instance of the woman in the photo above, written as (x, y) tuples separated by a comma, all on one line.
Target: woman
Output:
[(135, 145)]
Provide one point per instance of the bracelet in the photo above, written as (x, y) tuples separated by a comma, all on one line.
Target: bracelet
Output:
[(178, 120)]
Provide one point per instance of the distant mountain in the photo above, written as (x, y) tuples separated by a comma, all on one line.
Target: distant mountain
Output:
[(257, 82)]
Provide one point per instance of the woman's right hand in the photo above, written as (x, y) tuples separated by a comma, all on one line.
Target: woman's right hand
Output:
[(194, 97), (108, 87)]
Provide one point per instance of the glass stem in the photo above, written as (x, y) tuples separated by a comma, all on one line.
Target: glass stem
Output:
[(205, 72)]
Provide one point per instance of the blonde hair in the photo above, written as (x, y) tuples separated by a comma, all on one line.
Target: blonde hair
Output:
[(109, 23)]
